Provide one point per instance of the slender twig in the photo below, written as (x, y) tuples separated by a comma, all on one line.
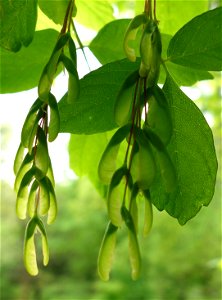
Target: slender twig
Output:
[(80, 44)]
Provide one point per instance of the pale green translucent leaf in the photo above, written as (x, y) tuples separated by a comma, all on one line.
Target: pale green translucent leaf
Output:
[(55, 10), (21, 71), (18, 20), (94, 14)]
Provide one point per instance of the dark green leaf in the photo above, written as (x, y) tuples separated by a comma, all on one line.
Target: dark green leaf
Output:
[(21, 71), (198, 44), (93, 112), (18, 20), (192, 151)]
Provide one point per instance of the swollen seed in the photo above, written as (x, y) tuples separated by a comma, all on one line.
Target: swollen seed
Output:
[(30, 124), (150, 50), (72, 50), (73, 84), (54, 124), (130, 35), (24, 168), (124, 100), (41, 160), (148, 215), (44, 197), (133, 209), (22, 195), (106, 252), (158, 118), (115, 199), (29, 248), (33, 195), (45, 247), (73, 88), (107, 164), (49, 71), (146, 162), (18, 158)]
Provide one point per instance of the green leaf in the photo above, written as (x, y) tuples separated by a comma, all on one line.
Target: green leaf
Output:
[(192, 151), (93, 112), (85, 152), (94, 14), (21, 71), (55, 11), (198, 43), (18, 20)]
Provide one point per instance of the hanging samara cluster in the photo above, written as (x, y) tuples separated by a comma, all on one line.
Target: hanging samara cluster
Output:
[(145, 142)]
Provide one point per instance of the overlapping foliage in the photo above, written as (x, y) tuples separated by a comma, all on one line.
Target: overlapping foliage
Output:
[(188, 55)]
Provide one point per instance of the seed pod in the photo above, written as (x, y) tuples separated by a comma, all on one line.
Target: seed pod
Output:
[(50, 174), (134, 251), (45, 247), (18, 158), (33, 196), (167, 169), (131, 35), (150, 51), (73, 84), (41, 159), (52, 212), (49, 71), (107, 164), (44, 197), (31, 124), (106, 252), (158, 118), (72, 51), (133, 209), (115, 200), (29, 248), (148, 215), (22, 195), (24, 168), (146, 165), (124, 100), (54, 124)]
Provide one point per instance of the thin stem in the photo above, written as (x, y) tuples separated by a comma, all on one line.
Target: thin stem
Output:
[(80, 43), (67, 17), (154, 11)]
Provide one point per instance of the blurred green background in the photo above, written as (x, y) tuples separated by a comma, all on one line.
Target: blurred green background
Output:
[(178, 262)]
